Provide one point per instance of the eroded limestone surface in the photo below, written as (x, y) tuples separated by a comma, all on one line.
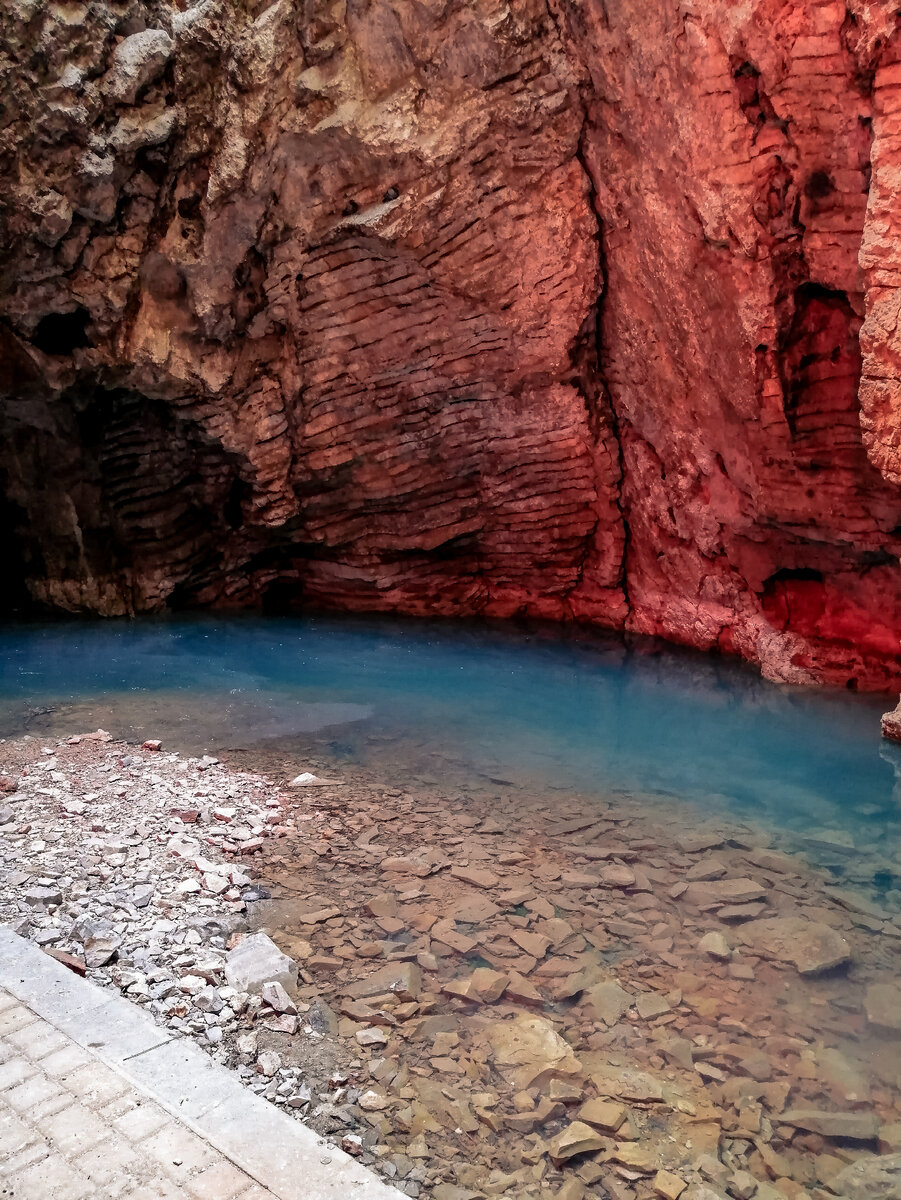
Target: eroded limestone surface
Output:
[(508, 306)]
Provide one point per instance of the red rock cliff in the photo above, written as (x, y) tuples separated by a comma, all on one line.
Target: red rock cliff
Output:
[(552, 307)]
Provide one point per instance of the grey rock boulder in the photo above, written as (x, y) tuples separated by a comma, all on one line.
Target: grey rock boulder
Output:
[(257, 960), (870, 1179)]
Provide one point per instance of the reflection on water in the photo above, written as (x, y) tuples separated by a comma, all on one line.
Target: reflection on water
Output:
[(541, 707)]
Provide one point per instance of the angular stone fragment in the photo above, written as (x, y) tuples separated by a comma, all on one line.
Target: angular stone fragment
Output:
[(635, 1157), (694, 843), (870, 1178), (489, 984), (43, 897), (533, 1048), (257, 960), (269, 1063), (462, 989), (317, 915), (535, 944), (891, 724), (520, 990), (882, 1002), (604, 1114), (858, 1126), (724, 891), (668, 1186), (280, 1023), (68, 960), (477, 876), (273, 994), (576, 1138), (371, 1037), (100, 948), (617, 876), (706, 869), (609, 1001), (625, 1083), (404, 979), (651, 1004), (810, 945), (740, 912), (715, 944), (449, 935)]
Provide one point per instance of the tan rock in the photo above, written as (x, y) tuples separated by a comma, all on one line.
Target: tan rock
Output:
[(882, 1002), (566, 1091), (858, 1126), (810, 945), (635, 1156), (477, 876), (716, 945), (573, 1189), (317, 915), (402, 978), (576, 1138), (532, 1048), (724, 891), (489, 984), (651, 1004), (625, 1083), (446, 932), (604, 1114), (617, 876), (609, 1001), (535, 944), (522, 991), (462, 989), (668, 1186), (870, 1178)]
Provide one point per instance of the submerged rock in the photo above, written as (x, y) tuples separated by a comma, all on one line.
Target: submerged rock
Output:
[(858, 1126), (870, 1179), (882, 1002), (533, 1048), (810, 945), (576, 1138)]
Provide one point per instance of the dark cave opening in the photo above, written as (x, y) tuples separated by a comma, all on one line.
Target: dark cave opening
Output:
[(59, 334)]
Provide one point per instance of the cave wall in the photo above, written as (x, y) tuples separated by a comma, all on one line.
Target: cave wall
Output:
[(544, 307)]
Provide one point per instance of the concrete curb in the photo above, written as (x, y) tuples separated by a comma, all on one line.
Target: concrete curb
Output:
[(280, 1153)]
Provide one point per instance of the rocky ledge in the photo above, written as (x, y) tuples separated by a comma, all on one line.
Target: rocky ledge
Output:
[(519, 306), (474, 997)]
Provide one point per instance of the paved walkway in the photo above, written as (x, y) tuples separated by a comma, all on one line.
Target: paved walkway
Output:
[(98, 1101)]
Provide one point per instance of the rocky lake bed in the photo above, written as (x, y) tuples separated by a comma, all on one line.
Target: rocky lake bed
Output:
[(481, 994)]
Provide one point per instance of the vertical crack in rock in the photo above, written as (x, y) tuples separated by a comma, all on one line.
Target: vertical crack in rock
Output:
[(600, 403)]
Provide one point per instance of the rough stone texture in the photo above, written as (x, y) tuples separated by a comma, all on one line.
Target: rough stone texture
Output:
[(256, 961), (498, 306), (871, 1178)]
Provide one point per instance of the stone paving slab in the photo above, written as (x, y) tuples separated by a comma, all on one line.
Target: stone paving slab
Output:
[(96, 1101)]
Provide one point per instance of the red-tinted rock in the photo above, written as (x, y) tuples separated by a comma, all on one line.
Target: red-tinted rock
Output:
[(571, 310)]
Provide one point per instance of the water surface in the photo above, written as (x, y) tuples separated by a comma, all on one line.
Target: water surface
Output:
[(539, 707)]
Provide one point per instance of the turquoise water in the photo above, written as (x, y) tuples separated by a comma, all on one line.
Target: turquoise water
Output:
[(545, 707)]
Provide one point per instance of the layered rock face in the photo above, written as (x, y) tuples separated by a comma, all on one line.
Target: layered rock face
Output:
[(543, 307)]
